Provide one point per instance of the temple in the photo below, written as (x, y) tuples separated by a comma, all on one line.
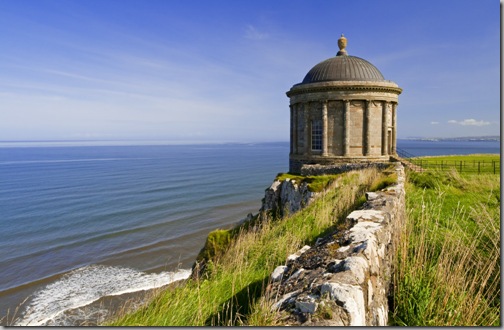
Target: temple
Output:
[(344, 111)]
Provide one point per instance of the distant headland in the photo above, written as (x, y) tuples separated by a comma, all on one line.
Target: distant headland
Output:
[(463, 138)]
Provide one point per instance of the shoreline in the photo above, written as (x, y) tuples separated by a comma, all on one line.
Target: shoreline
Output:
[(83, 292)]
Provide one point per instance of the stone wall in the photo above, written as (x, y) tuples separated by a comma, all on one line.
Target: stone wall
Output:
[(344, 278), (317, 169)]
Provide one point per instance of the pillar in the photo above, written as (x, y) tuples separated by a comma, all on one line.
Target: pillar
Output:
[(295, 142), (384, 147), (324, 128), (346, 135), (394, 127), (367, 129)]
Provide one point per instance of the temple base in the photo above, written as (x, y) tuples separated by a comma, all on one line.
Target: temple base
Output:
[(319, 165)]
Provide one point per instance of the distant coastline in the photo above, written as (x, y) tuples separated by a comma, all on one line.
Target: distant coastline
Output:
[(464, 138)]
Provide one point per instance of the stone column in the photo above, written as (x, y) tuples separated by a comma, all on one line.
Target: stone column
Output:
[(394, 127), (384, 147), (324, 128), (306, 109), (291, 129), (295, 110), (367, 129), (346, 134)]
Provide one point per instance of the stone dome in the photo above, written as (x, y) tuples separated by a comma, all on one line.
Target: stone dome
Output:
[(343, 67)]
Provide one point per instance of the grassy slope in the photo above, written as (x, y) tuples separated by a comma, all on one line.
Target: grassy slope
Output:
[(231, 292), (449, 259), (465, 158)]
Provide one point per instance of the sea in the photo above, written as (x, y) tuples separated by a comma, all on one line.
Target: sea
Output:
[(88, 223)]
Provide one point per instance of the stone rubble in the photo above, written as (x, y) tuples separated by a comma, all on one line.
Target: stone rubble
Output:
[(344, 278)]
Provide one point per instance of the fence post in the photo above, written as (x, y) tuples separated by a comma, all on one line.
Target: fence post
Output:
[(460, 167), (478, 167), (494, 165)]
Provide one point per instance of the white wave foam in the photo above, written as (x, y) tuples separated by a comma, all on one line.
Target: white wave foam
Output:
[(85, 285)]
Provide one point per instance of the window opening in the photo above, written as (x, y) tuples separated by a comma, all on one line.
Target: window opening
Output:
[(316, 135)]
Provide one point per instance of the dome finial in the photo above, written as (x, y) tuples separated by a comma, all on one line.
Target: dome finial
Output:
[(342, 42)]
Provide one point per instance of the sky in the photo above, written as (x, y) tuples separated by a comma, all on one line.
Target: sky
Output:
[(217, 70)]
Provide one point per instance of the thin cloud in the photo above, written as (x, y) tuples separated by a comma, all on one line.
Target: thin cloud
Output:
[(469, 122), (434, 123), (253, 34)]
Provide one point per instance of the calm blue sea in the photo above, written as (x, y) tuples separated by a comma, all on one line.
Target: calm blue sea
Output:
[(81, 222)]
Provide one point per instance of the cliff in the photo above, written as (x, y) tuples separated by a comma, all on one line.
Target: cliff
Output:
[(286, 197), (344, 278)]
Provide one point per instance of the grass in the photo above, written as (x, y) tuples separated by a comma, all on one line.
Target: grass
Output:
[(470, 164), (448, 260), (232, 292), (316, 183)]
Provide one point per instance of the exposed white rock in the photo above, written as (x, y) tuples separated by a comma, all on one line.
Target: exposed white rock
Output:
[(362, 215), (278, 273), (363, 231), (370, 292), (352, 298), (371, 196), (287, 197), (307, 305), (358, 266), (299, 253), (381, 316), (292, 257), (284, 298), (344, 248), (304, 249), (296, 274)]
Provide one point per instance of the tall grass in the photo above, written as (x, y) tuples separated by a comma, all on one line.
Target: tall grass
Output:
[(448, 259), (231, 290)]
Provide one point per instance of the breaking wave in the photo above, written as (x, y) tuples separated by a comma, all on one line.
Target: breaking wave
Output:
[(86, 285)]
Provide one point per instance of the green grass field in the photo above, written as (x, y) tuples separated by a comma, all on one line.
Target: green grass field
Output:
[(468, 164), (448, 262)]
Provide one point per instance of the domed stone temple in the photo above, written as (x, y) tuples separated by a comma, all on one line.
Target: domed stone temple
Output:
[(344, 111)]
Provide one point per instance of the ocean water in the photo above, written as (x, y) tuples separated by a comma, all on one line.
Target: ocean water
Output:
[(79, 223), (83, 222), (448, 147)]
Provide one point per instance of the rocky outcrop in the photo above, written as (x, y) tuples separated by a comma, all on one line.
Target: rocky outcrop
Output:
[(286, 197), (344, 278)]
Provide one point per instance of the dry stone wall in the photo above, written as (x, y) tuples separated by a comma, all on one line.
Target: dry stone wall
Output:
[(344, 278)]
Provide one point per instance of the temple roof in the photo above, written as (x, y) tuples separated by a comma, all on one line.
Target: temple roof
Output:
[(343, 67)]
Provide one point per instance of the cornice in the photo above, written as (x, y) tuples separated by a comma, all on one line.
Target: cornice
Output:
[(364, 86)]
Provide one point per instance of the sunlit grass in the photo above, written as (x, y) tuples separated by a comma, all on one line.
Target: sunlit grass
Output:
[(231, 290), (464, 164), (448, 261)]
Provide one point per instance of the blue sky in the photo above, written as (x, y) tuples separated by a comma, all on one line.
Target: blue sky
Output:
[(218, 70)]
